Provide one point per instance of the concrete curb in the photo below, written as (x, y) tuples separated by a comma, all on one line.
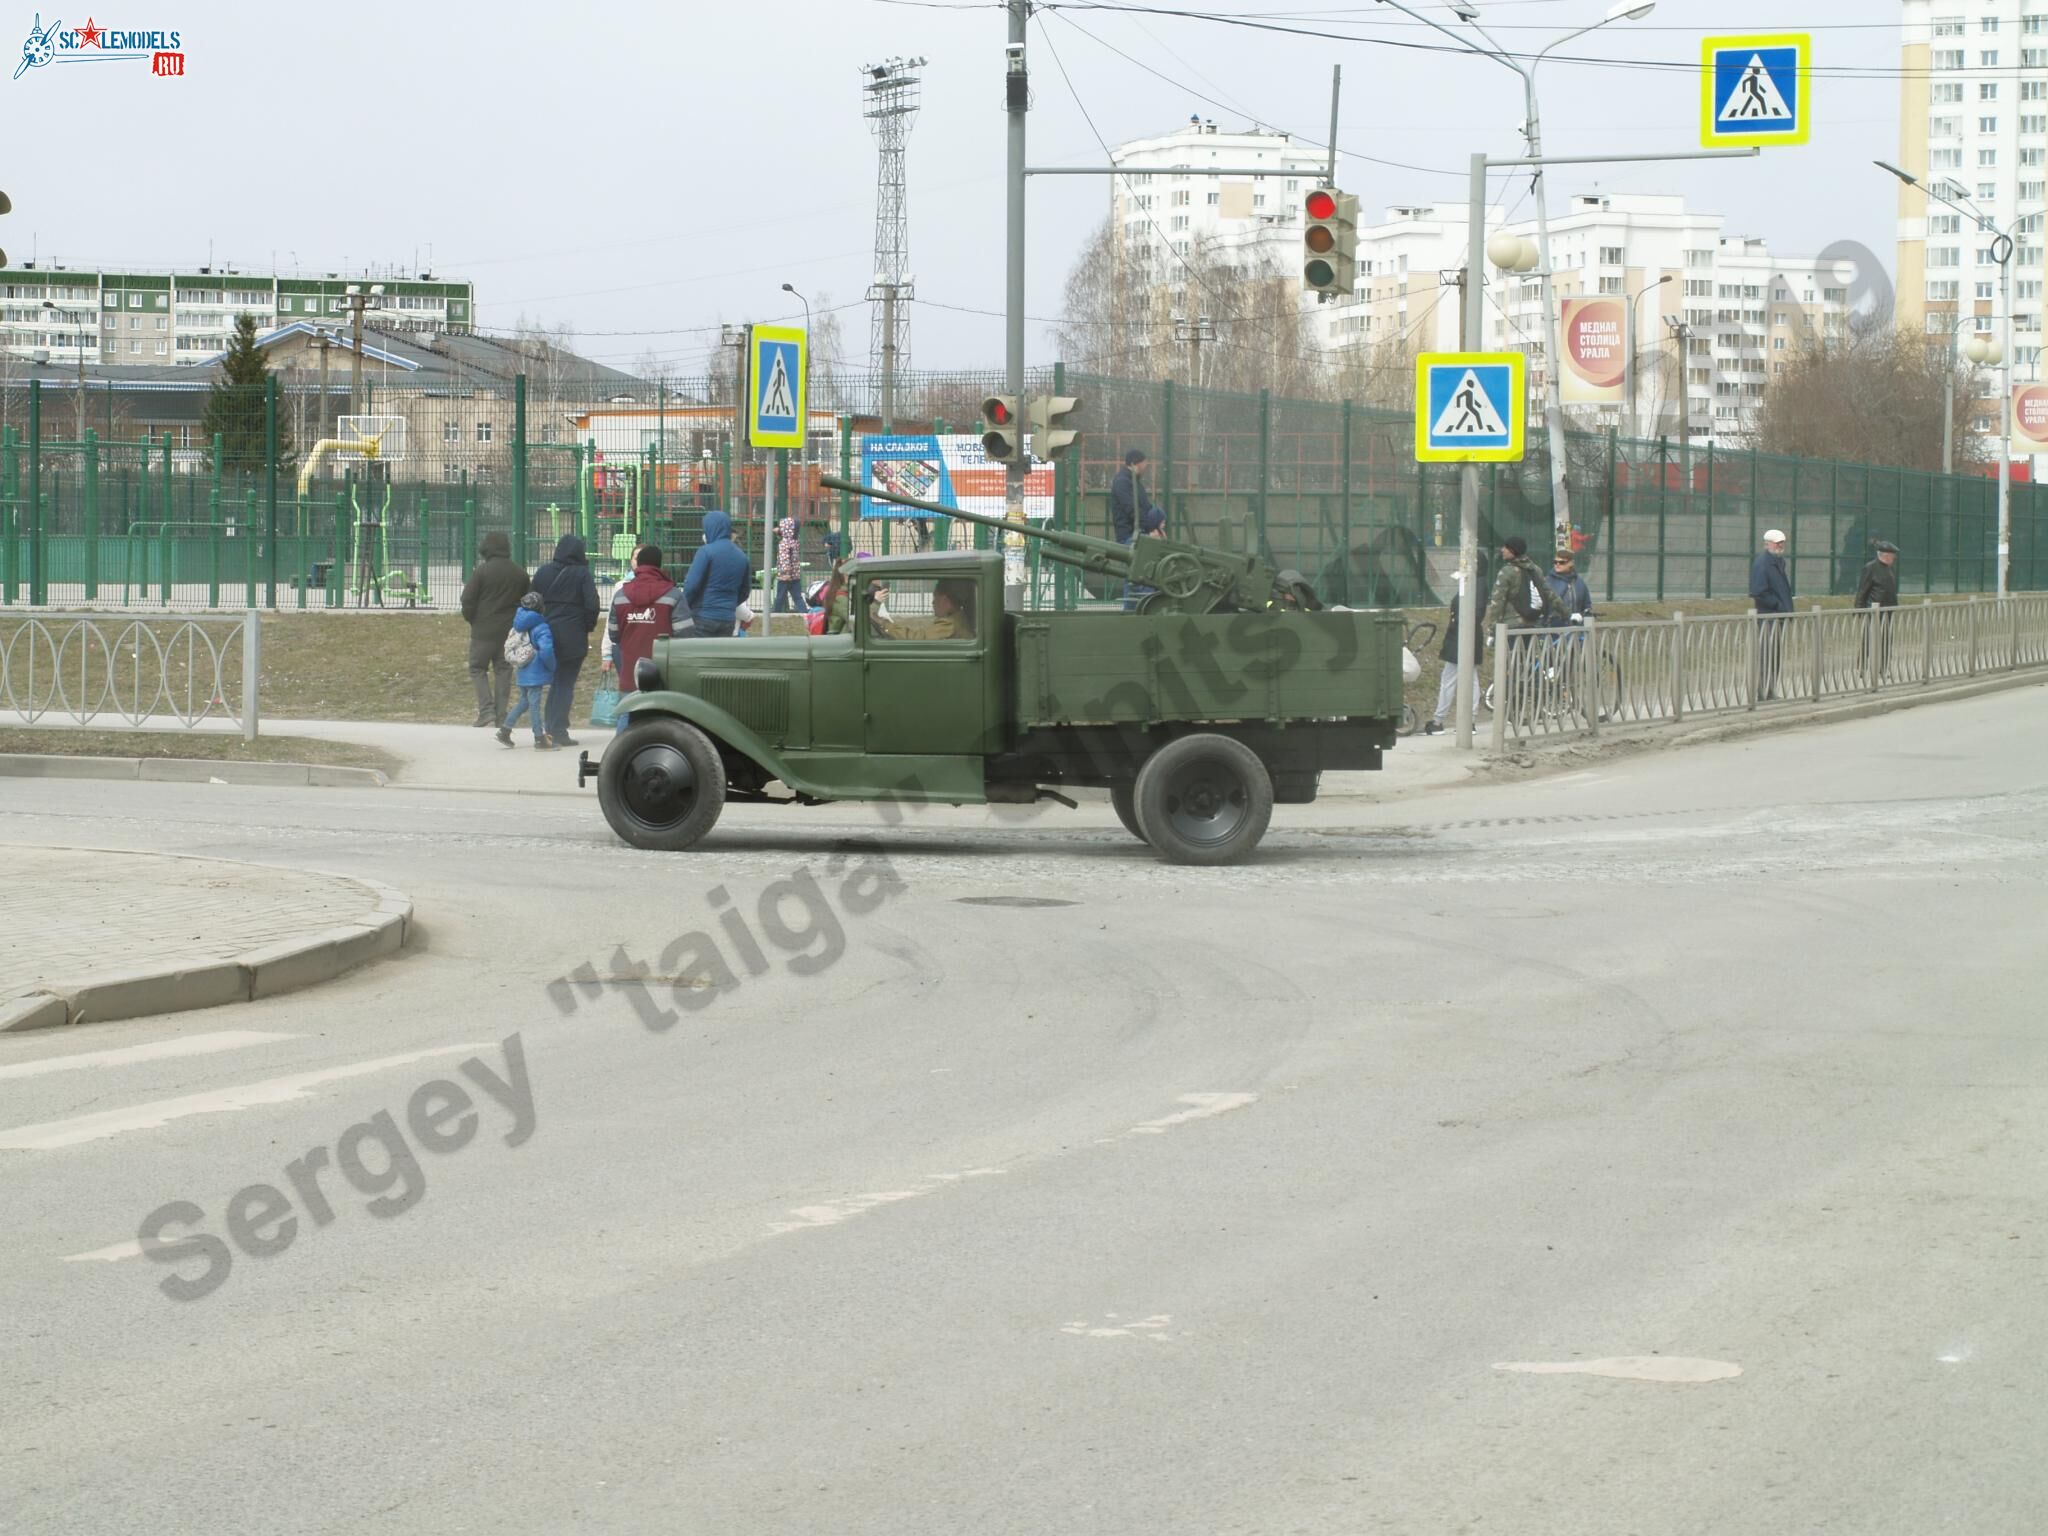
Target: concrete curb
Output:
[(186, 770), (256, 973)]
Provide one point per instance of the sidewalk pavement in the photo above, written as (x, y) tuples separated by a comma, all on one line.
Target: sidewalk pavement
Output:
[(88, 935)]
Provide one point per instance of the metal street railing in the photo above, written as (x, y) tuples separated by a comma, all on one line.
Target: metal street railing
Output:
[(1583, 679), (81, 669)]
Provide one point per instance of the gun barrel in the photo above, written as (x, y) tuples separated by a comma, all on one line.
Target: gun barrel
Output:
[(1080, 544)]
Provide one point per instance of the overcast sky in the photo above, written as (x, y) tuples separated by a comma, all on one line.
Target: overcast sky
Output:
[(653, 170)]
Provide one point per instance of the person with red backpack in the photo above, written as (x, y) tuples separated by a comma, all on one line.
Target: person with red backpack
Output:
[(648, 606)]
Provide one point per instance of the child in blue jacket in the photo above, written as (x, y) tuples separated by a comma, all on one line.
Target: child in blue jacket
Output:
[(535, 675)]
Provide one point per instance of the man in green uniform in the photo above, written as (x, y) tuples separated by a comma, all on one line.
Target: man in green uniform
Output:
[(1522, 598), (1879, 589), (952, 615)]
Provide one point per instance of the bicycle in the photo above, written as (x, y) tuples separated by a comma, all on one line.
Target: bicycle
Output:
[(1550, 689), (1419, 635)]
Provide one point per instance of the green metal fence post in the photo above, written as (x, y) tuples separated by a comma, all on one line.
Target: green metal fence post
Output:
[(426, 543), (337, 573), (469, 536), (10, 514), (92, 516), (35, 492), (1166, 454), (1344, 514), (1834, 533), (1613, 469), (845, 497), (1710, 514), (1265, 459), (519, 469), (213, 512), (249, 547), (170, 512), (270, 483), (1663, 497)]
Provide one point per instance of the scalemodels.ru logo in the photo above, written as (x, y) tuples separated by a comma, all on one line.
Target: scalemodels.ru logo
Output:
[(93, 43)]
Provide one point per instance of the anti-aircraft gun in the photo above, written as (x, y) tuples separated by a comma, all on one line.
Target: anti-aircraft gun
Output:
[(1184, 577)]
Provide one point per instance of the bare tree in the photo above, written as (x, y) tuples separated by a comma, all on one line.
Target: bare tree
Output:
[(1877, 397)]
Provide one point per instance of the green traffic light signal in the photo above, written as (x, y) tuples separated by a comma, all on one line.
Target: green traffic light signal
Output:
[(1319, 274)]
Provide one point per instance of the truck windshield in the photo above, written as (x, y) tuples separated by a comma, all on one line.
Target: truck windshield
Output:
[(922, 608)]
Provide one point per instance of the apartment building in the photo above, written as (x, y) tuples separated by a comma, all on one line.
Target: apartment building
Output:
[(1973, 112), (147, 319), (1716, 315)]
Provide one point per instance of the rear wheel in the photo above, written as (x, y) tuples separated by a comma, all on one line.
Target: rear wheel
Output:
[(661, 784), (1203, 799), (1124, 798)]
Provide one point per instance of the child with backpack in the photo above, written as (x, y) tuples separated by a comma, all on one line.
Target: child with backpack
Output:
[(530, 647)]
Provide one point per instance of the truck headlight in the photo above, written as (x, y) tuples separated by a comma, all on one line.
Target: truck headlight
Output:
[(646, 675)]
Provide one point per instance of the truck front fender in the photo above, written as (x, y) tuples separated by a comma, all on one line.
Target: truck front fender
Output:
[(715, 722)]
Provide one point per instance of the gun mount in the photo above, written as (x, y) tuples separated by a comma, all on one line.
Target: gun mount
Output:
[(1185, 578)]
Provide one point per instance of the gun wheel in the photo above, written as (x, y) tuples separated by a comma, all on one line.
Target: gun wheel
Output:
[(1179, 576), (1203, 799), (661, 784)]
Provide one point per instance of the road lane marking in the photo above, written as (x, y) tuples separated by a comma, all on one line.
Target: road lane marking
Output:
[(1200, 1107), (1673, 1368), (144, 1117), (128, 1250), (161, 1050)]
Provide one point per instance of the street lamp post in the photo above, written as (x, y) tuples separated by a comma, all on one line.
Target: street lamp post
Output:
[(2002, 248), (1635, 426), (1532, 131), (77, 317), (768, 534)]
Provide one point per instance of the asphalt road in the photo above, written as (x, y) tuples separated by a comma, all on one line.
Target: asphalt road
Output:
[(1209, 1201)]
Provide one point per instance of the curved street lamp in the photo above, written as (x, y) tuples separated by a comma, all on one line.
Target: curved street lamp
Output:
[(1532, 130)]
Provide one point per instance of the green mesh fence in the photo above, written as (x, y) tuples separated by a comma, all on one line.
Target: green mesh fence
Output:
[(160, 496)]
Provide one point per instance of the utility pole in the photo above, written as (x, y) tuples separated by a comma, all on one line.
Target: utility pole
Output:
[(1194, 332), (357, 299), (325, 343), (1016, 102)]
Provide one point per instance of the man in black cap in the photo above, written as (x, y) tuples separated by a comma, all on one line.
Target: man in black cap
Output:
[(1879, 589), (1522, 594)]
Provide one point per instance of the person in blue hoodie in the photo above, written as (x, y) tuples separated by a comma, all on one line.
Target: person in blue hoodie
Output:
[(720, 577), (533, 678)]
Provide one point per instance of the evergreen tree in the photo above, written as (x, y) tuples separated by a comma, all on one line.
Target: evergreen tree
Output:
[(234, 410)]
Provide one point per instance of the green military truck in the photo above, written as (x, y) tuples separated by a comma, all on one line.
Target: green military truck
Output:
[(1227, 691)]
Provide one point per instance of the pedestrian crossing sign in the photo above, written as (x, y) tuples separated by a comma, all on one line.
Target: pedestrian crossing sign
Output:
[(1470, 407), (1756, 91), (776, 357)]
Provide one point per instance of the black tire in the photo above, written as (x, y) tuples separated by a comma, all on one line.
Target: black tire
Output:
[(661, 784), (1124, 798), (1203, 799)]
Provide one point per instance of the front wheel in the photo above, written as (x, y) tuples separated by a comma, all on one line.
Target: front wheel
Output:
[(1203, 799), (661, 784)]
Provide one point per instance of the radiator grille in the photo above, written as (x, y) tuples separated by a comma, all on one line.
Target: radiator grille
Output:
[(758, 700)]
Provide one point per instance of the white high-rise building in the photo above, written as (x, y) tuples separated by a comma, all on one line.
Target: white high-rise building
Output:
[(1973, 110), (1738, 313), (1163, 214)]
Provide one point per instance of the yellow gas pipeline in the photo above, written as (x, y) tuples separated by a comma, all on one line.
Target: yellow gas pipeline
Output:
[(367, 447)]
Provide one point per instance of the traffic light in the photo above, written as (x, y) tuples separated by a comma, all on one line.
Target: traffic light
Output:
[(1330, 264), (1000, 437), (1053, 427)]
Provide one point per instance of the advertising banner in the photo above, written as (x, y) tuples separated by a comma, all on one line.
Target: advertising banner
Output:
[(2029, 419), (951, 470), (1595, 350)]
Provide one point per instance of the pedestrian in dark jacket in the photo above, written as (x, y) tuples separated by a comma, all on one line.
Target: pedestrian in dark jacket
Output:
[(533, 678), (568, 594), (1879, 590), (1770, 588), (647, 607), (1573, 595), (489, 599), (1128, 502), (719, 579)]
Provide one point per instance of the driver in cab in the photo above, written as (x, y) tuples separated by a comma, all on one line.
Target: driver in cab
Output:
[(952, 614)]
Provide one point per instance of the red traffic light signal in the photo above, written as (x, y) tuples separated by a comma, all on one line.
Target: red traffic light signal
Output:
[(998, 413), (1322, 204)]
